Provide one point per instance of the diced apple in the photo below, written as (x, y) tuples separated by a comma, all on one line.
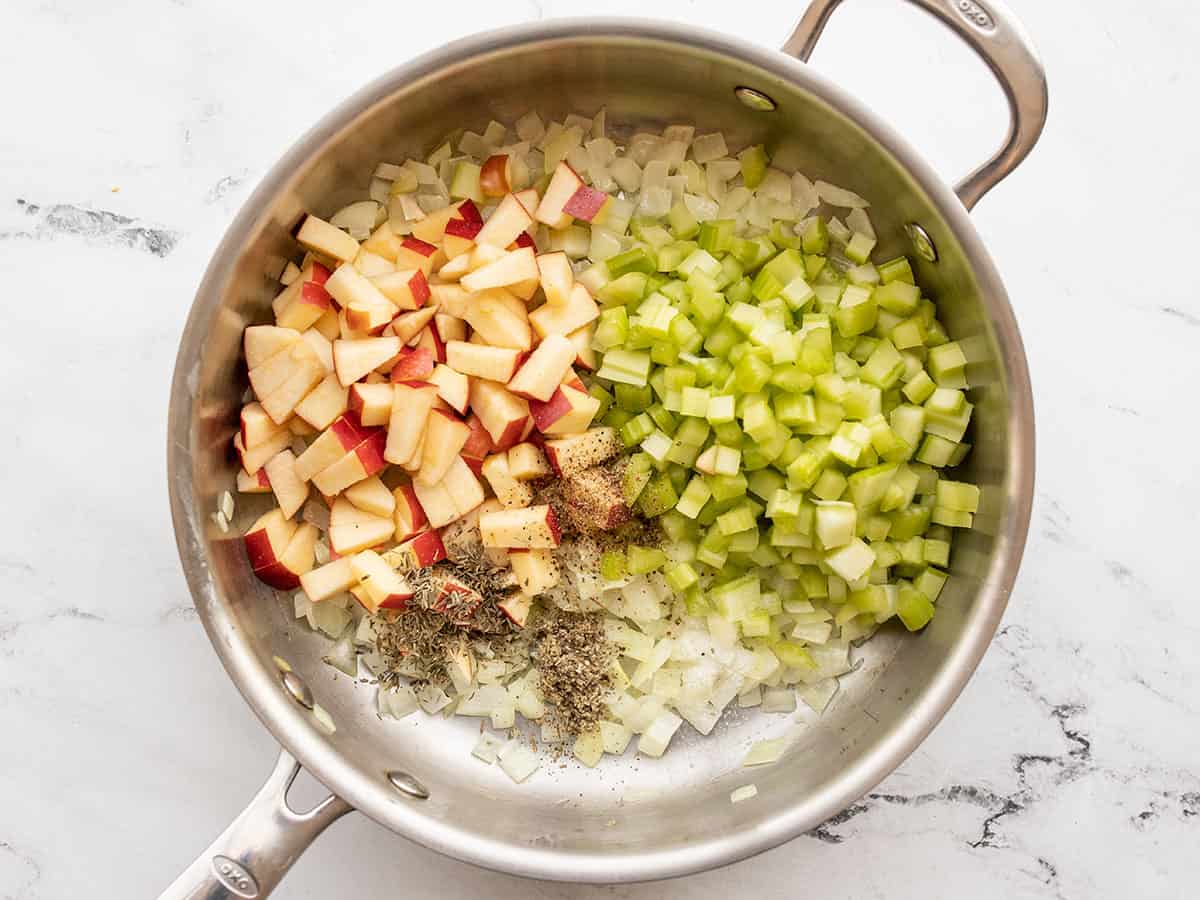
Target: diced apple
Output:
[(503, 414), (424, 549), (324, 403), (451, 299), (255, 458), (351, 288), (514, 266), (534, 527), (407, 326), (295, 561), (307, 373), (371, 495), (483, 361), (327, 580), (597, 498), (352, 360), (557, 277), (536, 571), (372, 403), (564, 183), (511, 493), (460, 237), (428, 340), (262, 342), (256, 426), (526, 462), (455, 269), (290, 489), (495, 175), (307, 303), (341, 437), (362, 462), (329, 326), (542, 372), (267, 539), (321, 237), (384, 242), (273, 372), (568, 455), (524, 239), (445, 435), (431, 228), (586, 203), (407, 289), (411, 403), (372, 264), (347, 332), (409, 516), (454, 598), (462, 485), (258, 483), (438, 504), (494, 319), (413, 364), (382, 586), (510, 219), (450, 328), (453, 387), (415, 253), (478, 445), (581, 338), (569, 411), (322, 346), (352, 530), (516, 607), (300, 428), (579, 310)]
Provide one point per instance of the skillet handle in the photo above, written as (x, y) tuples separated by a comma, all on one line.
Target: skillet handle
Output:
[(251, 856), (991, 30)]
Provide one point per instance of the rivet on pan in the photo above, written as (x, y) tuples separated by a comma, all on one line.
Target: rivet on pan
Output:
[(406, 784), (295, 686), (921, 242), (756, 100)]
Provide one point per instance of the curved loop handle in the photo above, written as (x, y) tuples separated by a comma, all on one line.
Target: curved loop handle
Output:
[(251, 856), (991, 30)]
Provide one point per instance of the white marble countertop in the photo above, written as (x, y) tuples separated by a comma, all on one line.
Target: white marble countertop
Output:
[(1070, 767)]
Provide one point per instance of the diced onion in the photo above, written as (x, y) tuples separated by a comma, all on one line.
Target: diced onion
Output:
[(745, 792), (765, 752), (517, 760), (836, 196)]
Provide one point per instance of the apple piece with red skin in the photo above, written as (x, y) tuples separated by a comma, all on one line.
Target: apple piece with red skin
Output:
[(570, 379), (372, 403), (460, 237), (532, 527), (407, 326), (290, 489), (513, 267), (463, 486), (409, 516), (597, 498), (371, 495), (579, 310), (341, 437), (411, 404), (335, 577), (445, 435), (429, 340), (319, 236), (564, 183), (352, 530), (569, 411), (307, 303), (295, 561), (424, 549), (510, 219), (478, 445), (437, 502), (382, 587), (483, 361), (454, 598), (524, 239), (574, 453), (536, 571), (469, 212), (511, 493), (516, 608), (364, 461), (407, 289), (323, 404), (432, 227), (256, 426), (418, 254), (413, 364), (253, 460), (503, 414), (347, 333), (495, 175), (267, 539), (258, 483), (369, 319), (350, 287), (383, 242), (453, 387), (586, 203), (527, 462), (581, 338), (543, 371), (352, 360)]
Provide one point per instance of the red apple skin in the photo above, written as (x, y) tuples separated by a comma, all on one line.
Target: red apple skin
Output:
[(552, 524), (414, 364), (416, 512), (469, 212), (493, 176), (512, 434), (430, 341), (278, 577), (547, 413), (585, 203), (463, 228), (320, 274), (475, 464), (525, 239), (396, 601), (419, 286), (259, 549), (416, 245), (426, 548), (314, 294), (350, 433), (370, 453)]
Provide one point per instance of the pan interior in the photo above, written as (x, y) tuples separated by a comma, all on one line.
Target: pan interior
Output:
[(629, 808)]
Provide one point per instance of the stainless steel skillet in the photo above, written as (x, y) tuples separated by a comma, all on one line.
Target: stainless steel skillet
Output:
[(631, 819)]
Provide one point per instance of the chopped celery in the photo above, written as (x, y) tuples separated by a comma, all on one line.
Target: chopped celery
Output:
[(815, 238), (658, 496), (644, 559), (754, 164), (636, 259), (627, 290), (612, 565)]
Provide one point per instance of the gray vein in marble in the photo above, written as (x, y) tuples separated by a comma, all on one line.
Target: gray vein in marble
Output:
[(181, 614), (19, 889), (1187, 317), (8, 629), (95, 225), (224, 186)]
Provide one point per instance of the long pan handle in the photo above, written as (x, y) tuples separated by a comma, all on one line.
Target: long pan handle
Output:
[(995, 34), (253, 854)]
